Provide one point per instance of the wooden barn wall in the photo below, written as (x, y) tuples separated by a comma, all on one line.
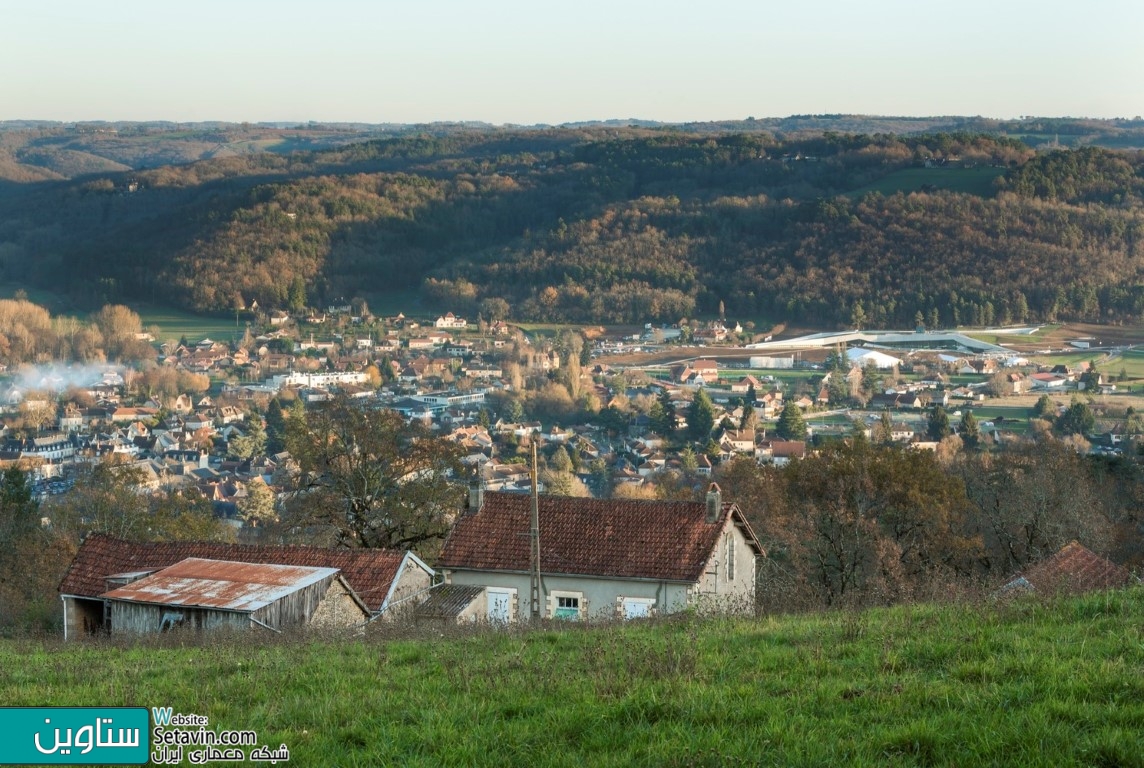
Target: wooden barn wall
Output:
[(295, 609)]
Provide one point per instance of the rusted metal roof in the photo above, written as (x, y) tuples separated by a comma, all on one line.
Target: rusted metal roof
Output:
[(220, 584), (370, 572)]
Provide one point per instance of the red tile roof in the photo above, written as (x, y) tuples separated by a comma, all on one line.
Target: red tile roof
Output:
[(621, 538), (369, 572), (1075, 569)]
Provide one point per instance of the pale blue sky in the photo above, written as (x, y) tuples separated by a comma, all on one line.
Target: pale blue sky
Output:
[(511, 61)]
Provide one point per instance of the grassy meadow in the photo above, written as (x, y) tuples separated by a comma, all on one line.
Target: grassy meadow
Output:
[(174, 324), (973, 181), (1056, 683)]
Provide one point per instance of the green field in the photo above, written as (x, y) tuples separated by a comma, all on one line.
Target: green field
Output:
[(410, 302), (1024, 683), (1131, 362), (174, 324), (974, 181)]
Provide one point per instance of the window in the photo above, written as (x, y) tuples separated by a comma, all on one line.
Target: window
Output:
[(729, 557), (636, 607), (567, 608)]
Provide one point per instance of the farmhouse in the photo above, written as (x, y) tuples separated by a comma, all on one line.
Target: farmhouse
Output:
[(382, 579), (598, 558)]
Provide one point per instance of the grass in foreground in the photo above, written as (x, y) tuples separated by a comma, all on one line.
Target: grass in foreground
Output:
[(1026, 683)]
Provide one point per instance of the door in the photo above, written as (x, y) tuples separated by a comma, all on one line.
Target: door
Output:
[(499, 606)]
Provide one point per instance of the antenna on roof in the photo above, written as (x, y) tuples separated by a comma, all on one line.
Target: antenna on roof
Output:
[(534, 541)]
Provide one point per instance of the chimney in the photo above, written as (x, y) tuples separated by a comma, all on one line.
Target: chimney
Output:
[(476, 495), (714, 503)]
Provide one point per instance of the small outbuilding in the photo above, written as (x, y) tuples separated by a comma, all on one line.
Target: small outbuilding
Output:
[(386, 581), (209, 594)]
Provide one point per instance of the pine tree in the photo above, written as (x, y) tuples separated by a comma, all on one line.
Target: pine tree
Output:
[(1044, 408), (700, 416), (257, 507), (938, 427), (663, 415), (748, 420), (791, 426), (969, 431)]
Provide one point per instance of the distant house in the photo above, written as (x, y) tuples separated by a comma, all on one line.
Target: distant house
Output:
[(744, 385), (600, 558), (698, 373), (901, 432), (780, 452), (449, 320), (738, 441), (986, 366), (1072, 570), (895, 400), (1048, 381), (383, 580)]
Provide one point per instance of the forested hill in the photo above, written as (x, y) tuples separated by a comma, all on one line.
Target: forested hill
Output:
[(611, 224)]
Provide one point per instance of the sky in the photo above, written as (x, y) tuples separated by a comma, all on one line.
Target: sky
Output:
[(530, 62)]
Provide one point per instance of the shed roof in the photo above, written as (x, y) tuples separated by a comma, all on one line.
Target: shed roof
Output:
[(220, 584), (448, 601), (369, 572), (611, 538)]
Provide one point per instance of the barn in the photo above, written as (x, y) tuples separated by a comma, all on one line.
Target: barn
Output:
[(209, 594), (388, 582)]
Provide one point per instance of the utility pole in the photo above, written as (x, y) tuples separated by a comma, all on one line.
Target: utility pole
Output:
[(534, 540)]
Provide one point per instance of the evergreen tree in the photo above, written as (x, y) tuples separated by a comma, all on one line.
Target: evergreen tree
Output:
[(257, 507), (253, 443), (560, 461), (297, 295), (885, 431), (1044, 408), (969, 431), (700, 416), (662, 415), (1078, 419), (688, 460), (748, 420), (791, 426), (938, 427), (600, 481), (275, 427)]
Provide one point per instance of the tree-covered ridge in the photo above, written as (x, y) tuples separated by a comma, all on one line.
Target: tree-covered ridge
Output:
[(608, 225), (1085, 176)]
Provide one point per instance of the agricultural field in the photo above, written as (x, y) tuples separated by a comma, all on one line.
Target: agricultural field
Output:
[(1022, 683), (174, 324), (975, 181)]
